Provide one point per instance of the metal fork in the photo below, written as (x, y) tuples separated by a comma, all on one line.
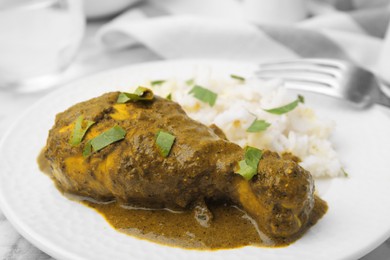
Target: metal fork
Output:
[(334, 78)]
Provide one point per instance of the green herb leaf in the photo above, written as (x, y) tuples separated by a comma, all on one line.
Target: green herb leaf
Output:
[(258, 126), (103, 140), (87, 151), (143, 92), (253, 156), (169, 96), (237, 77), (157, 82), (125, 97), (164, 142), (190, 82), (248, 166), (287, 108), (204, 95), (140, 93), (345, 173), (81, 127), (246, 171)]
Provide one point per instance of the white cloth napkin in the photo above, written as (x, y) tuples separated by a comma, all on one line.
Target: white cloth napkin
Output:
[(344, 29)]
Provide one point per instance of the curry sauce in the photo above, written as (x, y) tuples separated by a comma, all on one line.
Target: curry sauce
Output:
[(230, 228)]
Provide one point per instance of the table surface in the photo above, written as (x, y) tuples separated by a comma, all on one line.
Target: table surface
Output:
[(91, 58)]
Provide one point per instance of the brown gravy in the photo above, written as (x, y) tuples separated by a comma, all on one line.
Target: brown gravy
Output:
[(230, 228)]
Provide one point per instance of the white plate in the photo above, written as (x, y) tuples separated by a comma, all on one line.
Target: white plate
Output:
[(358, 219)]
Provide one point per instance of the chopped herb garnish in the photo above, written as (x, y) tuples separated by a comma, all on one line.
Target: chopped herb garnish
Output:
[(157, 82), (258, 126), (204, 95), (169, 96), (248, 166), (143, 92), (287, 108), (246, 171), (237, 77), (87, 151), (124, 97), (140, 93), (81, 127), (164, 142), (103, 140), (190, 82), (253, 156), (345, 173)]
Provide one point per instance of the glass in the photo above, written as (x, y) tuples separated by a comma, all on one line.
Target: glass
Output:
[(38, 40)]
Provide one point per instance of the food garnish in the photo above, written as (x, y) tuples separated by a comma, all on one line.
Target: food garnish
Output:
[(81, 127), (204, 95), (141, 93), (164, 142), (157, 82), (344, 173), (169, 96), (240, 78), (258, 126), (287, 108), (248, 166), (101, 141), (190, 82)]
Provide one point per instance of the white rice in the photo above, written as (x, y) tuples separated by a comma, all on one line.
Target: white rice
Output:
[(300, 131)]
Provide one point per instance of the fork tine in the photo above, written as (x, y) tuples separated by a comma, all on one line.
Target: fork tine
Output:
[(314, 71), (303, 79), (311, 67), (317, 62), (312, 87)]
